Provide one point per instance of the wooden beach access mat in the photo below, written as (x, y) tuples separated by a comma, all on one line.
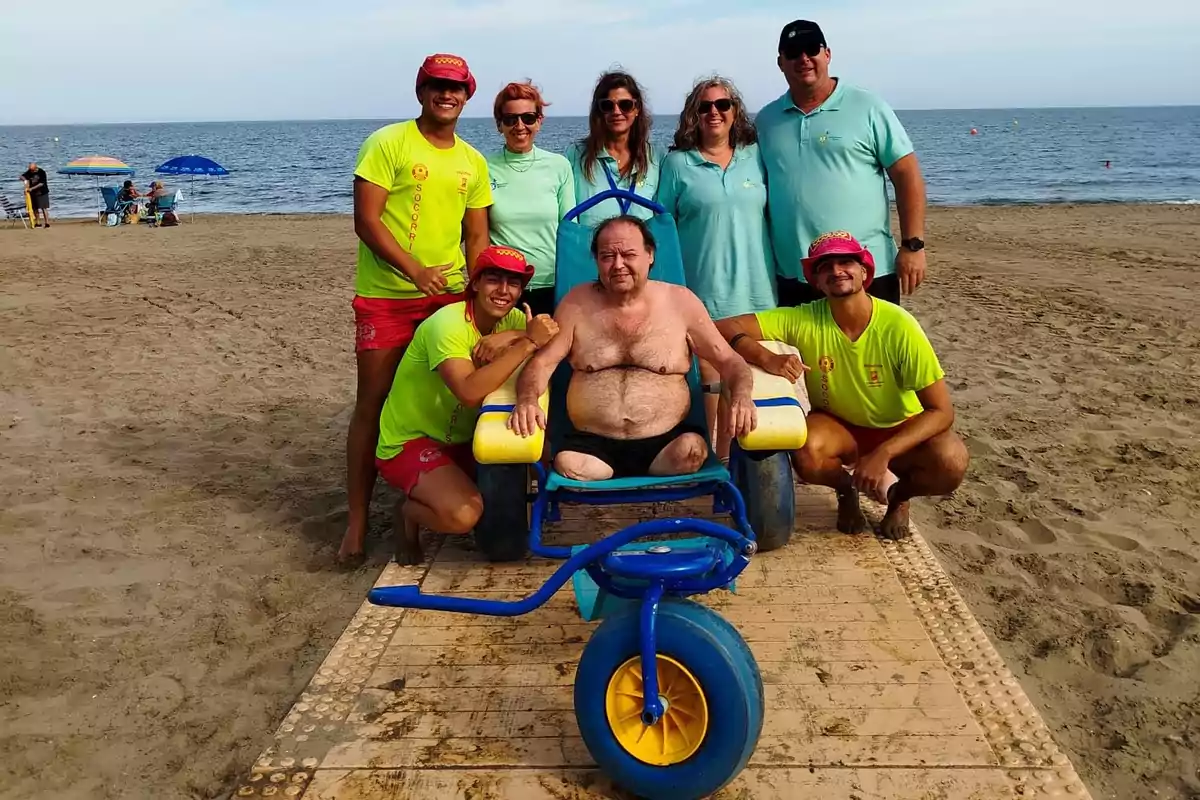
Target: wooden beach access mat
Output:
[(879, 683)]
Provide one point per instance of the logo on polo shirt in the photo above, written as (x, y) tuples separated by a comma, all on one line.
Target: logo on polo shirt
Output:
[(874, 375), (420, 172)]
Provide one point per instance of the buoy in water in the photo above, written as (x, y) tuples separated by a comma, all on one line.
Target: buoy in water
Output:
[(974, 132)]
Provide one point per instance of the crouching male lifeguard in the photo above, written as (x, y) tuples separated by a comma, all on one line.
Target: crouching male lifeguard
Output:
[(429, 417), (880, 402)]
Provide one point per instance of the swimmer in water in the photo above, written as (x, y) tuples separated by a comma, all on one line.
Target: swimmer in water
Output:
[(629, 341)]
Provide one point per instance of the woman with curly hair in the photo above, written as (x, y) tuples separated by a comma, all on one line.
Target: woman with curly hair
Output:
[(713, 184), (617, 150), (532, 190)]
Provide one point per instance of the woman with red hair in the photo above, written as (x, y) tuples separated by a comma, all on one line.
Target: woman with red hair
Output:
[(532, 189)]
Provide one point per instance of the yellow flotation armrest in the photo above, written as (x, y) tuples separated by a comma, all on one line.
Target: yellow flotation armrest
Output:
[(494, 443), (781, 421)]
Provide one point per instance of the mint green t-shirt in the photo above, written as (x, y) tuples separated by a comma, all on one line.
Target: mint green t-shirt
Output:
[(826, 171), (585, 187), (420, 403), (722, 222), (531, 193), (872, 382)]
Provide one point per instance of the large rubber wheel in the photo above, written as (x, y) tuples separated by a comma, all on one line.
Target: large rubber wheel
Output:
[(713, 693), (770, 497), (502, 533)]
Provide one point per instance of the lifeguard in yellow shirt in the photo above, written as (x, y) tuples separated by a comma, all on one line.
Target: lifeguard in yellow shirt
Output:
[(419, 192), (882, 416)]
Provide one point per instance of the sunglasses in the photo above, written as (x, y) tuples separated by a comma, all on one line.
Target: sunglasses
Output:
[(722, 105), (608, 106), (530, 118), (796, 48)]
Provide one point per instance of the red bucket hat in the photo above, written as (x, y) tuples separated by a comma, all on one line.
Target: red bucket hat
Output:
[(838, 243), (447, 67), (505, 259)]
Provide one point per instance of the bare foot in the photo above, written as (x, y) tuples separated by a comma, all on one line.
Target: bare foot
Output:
[(894, 525), (353, 547), (850, 518), (408, 541)]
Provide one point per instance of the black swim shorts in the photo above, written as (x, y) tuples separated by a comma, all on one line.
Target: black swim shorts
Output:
[(629, 458)]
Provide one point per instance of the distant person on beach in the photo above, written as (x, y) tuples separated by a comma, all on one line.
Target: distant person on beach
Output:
[(532, 190), (419, 191), (826, 146), (128, 192), (157, 190), (712, 183), (429, 418), (617, 151), (880, 402), (34, 179)]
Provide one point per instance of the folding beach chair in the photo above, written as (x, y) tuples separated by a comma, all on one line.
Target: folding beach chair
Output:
[(14, 212)]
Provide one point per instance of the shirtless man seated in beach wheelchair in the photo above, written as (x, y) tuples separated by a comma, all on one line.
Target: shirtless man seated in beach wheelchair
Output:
[(880, 403), (630, 341)]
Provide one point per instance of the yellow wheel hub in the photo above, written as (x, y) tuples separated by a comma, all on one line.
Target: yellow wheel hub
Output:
[(681, 729)]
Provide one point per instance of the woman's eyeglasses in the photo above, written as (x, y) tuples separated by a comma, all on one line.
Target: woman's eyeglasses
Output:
[(722, 105), (529, 118), (607, 106)]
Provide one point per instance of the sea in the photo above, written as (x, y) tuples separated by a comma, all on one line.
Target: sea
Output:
[(985, 157)]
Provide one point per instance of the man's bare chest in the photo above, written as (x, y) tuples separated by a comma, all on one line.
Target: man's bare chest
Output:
[(652, 341)]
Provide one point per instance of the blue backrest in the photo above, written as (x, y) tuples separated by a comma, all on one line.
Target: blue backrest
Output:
[(574, 265), (110, 195)]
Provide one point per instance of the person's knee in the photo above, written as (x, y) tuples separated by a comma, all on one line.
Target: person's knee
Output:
[(461, 517), (950, 461), (580, 467), (817, 455), (691, 451)]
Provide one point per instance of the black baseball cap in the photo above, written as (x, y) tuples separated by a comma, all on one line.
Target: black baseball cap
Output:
[(801, 30)]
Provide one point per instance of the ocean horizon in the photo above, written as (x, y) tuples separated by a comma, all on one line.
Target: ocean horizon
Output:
[(1082, 155)]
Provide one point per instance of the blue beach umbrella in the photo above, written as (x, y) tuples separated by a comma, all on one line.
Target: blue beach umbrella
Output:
[(192, 166)]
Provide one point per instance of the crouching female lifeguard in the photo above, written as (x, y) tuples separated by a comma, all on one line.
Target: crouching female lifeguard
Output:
[(458, 356)]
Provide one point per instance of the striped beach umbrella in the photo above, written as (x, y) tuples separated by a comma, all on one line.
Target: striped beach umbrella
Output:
[(97, 165)]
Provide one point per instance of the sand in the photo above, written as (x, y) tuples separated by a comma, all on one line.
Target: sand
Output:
[(172, 415)]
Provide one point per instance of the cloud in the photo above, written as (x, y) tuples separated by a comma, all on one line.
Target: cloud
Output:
[(272, 59)]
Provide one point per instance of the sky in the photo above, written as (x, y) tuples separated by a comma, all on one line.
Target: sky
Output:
[(185, 60)]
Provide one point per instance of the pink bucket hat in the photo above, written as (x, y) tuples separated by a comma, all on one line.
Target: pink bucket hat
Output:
[(447, 67), (838, 243)]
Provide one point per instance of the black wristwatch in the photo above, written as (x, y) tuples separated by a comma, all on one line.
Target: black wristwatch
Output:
[(913, 244)]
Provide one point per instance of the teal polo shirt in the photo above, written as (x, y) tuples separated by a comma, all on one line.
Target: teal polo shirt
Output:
[(722, 222), (826, 170), (585, 188)]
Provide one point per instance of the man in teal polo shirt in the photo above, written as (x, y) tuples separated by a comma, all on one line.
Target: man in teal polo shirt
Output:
[(826, 146)]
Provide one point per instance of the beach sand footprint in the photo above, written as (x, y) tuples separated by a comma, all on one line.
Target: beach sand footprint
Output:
[(1039, 532), (1120, 542)]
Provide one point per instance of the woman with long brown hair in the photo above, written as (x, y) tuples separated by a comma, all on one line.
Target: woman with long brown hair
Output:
[(617, 150), (713, 184)]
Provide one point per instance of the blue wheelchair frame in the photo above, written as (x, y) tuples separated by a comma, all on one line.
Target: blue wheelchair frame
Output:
[(648, 574)]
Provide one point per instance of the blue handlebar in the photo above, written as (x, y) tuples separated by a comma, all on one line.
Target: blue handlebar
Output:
[(410, 596), (614, 194)]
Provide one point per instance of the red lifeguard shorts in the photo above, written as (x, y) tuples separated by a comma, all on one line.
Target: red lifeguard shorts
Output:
[(416, 457), (381, 323)]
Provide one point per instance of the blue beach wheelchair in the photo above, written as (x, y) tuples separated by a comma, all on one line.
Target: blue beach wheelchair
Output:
[(668, 696)]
